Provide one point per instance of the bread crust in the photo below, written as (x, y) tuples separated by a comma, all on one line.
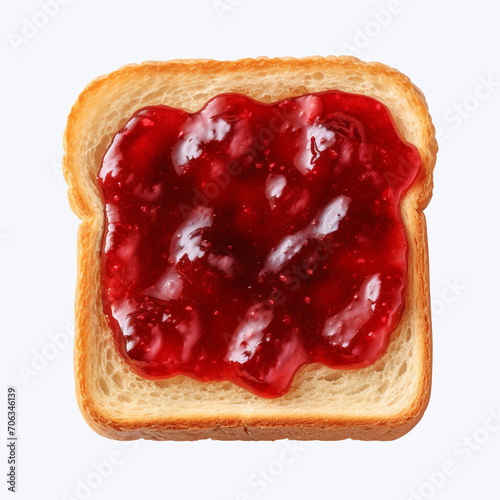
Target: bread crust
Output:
[(89, 317)]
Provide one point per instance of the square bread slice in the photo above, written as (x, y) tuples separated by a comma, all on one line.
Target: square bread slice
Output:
[(383, 401)]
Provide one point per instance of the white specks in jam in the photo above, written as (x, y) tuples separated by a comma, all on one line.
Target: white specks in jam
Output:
[(224, 263), (188, 237), (328, 219), (275, 184), (314, 137), (198, 130), (249, 333), (168, 286), (326, 222), (341, 328), (313, 140)]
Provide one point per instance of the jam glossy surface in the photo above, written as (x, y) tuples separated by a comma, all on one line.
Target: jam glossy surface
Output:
[(247, 239)]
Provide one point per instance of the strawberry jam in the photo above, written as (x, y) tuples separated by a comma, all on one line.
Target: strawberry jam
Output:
[(248, 239)]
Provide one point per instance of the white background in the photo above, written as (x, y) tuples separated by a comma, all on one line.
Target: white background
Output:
[(448, 48)]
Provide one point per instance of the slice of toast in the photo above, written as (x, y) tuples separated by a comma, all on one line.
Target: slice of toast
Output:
[(383, 401)]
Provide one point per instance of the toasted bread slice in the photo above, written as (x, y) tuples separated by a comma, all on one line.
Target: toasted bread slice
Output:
[(383, 401)]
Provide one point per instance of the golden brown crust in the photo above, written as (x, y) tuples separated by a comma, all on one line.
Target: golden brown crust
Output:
[(84, 200)]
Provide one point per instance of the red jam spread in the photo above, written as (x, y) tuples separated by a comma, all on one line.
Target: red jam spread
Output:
[(248, 239)]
